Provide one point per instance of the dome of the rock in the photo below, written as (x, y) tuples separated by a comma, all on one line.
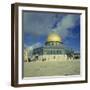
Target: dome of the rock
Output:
[(53, 37)]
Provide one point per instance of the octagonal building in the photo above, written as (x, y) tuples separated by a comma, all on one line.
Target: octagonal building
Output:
[(52, 50)]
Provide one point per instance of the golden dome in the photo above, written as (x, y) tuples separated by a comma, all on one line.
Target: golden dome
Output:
[(53, 37)]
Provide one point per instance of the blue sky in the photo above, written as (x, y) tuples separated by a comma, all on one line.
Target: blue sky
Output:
[(37, 26)]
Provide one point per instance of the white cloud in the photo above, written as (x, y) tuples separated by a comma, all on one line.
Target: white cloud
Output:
[(36, 45), (68, 22), (37, 23), (25, 46), (41, 23)]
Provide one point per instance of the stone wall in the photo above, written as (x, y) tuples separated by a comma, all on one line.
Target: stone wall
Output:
[(52, 57)]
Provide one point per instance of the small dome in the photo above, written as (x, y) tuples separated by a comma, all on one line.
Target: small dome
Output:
[(53, 37)]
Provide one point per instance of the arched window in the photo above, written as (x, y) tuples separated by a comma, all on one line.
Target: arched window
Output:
[(59, 51)]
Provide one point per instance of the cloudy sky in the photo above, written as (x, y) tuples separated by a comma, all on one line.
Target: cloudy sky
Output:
[(37, 26)]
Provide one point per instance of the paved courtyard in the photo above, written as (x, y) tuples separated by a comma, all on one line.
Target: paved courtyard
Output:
[(52, 68)]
